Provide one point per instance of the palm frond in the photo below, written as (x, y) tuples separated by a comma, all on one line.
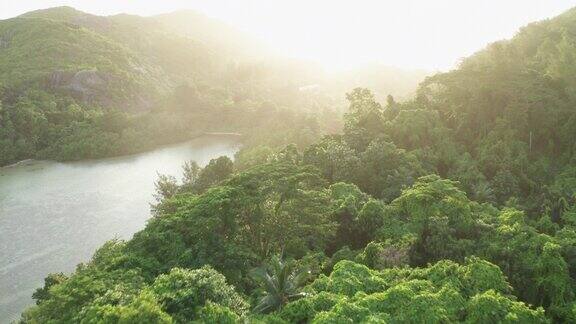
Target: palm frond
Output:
[(280, 283)]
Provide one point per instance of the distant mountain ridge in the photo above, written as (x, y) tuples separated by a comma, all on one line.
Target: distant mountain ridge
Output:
[(162, 56), (75, 85), (153, 55)]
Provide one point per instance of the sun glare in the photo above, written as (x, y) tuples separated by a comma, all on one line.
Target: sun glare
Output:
[(287, 161), (412, 34), (342, 34)]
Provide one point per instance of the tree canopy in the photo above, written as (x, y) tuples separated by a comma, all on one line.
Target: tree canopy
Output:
[(458, 205)]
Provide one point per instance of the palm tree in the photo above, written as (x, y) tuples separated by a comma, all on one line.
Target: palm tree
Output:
[(281, 283), (482, 192)]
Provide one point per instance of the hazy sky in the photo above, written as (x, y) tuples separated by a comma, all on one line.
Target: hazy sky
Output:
[(428, 34)]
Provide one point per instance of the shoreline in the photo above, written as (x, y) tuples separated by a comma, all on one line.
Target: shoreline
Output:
[(19, 163), (193, 137), (78, 206)]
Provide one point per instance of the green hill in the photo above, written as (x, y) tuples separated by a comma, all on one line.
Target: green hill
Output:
[(512, 107), (71, 83), (76, 85), (171, 54), (47, 53), (456, 206)]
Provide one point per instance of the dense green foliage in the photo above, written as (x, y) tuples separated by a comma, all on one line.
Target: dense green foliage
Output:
[(76, 86), (456, 206), (284, 206), (281, 284), (476, 292)]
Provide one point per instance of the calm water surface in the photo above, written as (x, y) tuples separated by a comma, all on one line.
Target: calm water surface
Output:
[(55, 215)]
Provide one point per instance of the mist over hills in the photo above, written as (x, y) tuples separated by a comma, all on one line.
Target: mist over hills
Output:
[(186, 45), (457, 204), (82, 67)]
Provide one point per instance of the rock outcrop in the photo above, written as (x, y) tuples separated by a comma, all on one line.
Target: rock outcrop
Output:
[(85, 84)]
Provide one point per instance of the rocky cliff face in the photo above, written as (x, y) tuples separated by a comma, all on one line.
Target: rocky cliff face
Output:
[(93, 86), (88, 82), (5, 41), (85, 84)]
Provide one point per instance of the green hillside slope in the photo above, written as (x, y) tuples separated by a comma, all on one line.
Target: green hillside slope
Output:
[(458, 206), (76, 85), (166, 51), (40, 53), (512, 107)]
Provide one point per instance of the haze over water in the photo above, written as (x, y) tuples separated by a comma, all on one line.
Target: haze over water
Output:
[(55, 215)]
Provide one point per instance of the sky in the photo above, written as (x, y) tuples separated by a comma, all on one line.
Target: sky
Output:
[(342, 34)]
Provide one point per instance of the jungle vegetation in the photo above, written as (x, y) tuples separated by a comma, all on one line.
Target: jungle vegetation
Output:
[(78, 86), (458, 205)]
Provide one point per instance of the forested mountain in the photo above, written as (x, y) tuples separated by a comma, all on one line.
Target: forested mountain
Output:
[(64, 47), (78, 86), (75, 85), (174, 55), (511, 107), (456, 206)]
